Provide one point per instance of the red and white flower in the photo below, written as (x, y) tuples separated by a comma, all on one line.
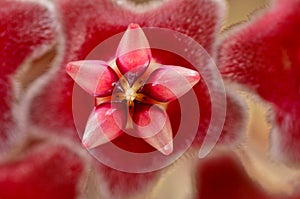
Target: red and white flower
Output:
[(132, 93)]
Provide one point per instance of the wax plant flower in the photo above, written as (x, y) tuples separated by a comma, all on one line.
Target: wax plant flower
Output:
[(41, 154), (133, 95)]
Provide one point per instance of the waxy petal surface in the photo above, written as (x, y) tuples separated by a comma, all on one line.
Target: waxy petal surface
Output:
[(104, 124), (264, 55), (45, 171), (170, 82), (26, 30), (153, 125), (95, 77), (133, 54)]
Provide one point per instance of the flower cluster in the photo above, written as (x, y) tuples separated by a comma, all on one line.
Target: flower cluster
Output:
[(44, 48)]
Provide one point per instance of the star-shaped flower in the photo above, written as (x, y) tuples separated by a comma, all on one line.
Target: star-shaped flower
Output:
[(132, 93), (265, 56)]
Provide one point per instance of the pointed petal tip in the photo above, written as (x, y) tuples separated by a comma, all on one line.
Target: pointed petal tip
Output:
[(104, 124), (134, 52), (91, 138), (87, 143), (167, 150), (196, 76), (72, 68), (133, 26), (69, 67), (193, 77), (91, 142), (94, 76)]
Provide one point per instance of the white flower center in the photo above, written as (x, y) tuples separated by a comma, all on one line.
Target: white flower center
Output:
[(130, 94)]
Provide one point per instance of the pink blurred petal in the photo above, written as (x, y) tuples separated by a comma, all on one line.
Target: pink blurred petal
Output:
[(285, 136), (104, 124), (27, 29), (44, 171), (120, 184), (235, 120), (224, 176), (264, 55), (170, 82), (95, 77), (153, 125), (133, 53)]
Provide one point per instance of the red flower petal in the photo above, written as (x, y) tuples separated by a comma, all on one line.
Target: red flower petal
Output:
[(133, 53), (264, 55), (95, 77), (235, 120), (225, 177), (26, 30), (104, 124), (120, 184), (170, 82), (153, 125), (44, 172), (269, 61), (285, 136)]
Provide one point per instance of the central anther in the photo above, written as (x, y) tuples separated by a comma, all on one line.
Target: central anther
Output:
[(130, 94)]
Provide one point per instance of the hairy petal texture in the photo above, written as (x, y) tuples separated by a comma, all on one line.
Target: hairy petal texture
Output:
[(86, 24), (223, 176), (27, 29), (264, 55), (120, 184), (43, 171)]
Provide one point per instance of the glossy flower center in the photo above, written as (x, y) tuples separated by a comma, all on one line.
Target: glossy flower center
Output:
[(132, 93)]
